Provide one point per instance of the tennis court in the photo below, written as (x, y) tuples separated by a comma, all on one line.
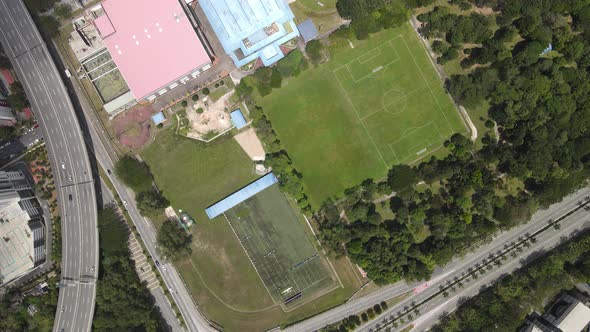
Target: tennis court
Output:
[(273, 237)]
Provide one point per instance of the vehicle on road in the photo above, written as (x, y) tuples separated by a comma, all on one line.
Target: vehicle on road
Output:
[(109, 171), (63, 165), (70, 196)]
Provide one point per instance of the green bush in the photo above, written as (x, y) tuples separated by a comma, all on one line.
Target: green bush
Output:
[(314, 51), (292, 64), (200, 110), (184, 103), (195, 97), (206, 91)]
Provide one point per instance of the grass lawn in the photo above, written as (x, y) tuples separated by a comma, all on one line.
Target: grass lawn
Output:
[(371, 106), (193, 175), (324, 17), (275, 240)]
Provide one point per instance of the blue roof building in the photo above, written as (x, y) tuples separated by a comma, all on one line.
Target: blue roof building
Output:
[(237, 118), (158, 118), (241, 195), (251, 29), (308, 30)]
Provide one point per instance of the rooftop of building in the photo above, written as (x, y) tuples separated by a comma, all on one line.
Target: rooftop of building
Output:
[(20, 228), (251, 29), (152, 42)]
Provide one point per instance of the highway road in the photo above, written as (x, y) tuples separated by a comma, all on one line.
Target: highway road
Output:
[(456, 267), (194, 320), (431, 311), (70, 163)]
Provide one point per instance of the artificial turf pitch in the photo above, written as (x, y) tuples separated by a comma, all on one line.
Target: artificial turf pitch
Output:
[(277, 246), (369, 107)]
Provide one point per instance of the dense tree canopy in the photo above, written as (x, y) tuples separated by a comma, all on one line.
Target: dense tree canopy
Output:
[(173, 242), (123, 303), (134, 174), (151, 201)]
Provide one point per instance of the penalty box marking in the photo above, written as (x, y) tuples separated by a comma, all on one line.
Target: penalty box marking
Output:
[(375, 52)]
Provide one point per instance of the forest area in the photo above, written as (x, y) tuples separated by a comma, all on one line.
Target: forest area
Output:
[(123, 302)]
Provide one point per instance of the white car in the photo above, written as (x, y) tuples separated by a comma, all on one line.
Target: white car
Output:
[(125, 203)]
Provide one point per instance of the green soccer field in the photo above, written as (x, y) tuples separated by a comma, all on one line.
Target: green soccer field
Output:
[(273, 237), (372, 106)]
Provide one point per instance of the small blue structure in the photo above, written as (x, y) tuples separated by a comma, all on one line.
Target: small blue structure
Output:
[(158, 118), (251, 29), (237, 118), (241, 195), (548, 49), (308, 30)]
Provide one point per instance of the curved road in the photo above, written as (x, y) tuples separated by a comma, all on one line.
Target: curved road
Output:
[(70, 164)]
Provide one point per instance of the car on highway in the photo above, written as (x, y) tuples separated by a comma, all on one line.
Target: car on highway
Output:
[(109, 171), (63, 165), (70, 196)]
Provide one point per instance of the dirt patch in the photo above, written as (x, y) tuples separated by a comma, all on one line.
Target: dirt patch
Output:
[(486, 11), (212, 119), (251, 144), (132, 128)]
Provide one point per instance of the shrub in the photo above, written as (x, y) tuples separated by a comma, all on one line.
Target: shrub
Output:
[(216, 85), (377, 308), (314, 51), (222, 82), (195, 97), (276, 79), (364, 317), (206, 91), (200, 110), (292, 64), (184, 103)]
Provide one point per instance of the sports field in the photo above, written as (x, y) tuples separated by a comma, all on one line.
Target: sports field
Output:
[(219, 274), (377, 104), (276, 244)]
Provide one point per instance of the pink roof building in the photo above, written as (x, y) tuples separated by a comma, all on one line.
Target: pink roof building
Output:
[(152, 42), (7, 76)]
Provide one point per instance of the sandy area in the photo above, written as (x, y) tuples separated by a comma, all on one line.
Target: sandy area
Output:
[(215, 117), (251, 144)]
